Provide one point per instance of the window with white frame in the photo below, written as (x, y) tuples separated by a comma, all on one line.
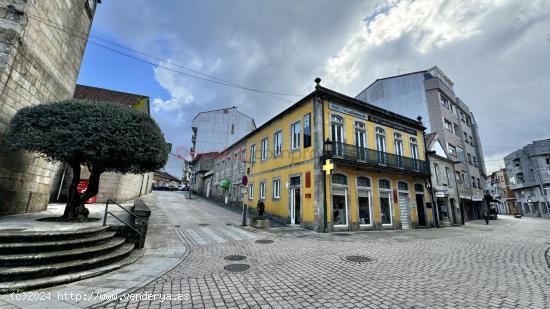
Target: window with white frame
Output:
[(460, 153), (295, 132), (265, 149), (444, 101), (448, 125), (253, 154), (250, 191), (436, 172), (452, 149), (278, 142), (276, 188), (262, 190), (447, 173)]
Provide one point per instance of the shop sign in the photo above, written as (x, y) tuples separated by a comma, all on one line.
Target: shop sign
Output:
[(477, 198), (440, 194), (346, 110)]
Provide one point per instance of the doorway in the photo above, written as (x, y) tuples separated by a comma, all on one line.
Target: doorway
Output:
[(420, 209), (340, 207), (295, 206), (404, 209), (338, 135)]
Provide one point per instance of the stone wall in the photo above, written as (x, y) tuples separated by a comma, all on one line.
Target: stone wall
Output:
[(38, 64)]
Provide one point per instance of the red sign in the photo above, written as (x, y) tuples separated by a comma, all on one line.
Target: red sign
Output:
[(81, 188), (395, 201), (308, 179), (308, 195)]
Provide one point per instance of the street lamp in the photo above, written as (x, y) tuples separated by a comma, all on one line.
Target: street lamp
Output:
[(327, 147)]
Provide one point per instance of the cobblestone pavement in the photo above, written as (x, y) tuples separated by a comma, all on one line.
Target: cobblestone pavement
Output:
[(502, 265)]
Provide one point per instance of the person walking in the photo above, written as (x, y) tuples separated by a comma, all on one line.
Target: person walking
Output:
[(486, 218)]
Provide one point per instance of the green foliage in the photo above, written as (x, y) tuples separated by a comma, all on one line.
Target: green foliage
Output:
[(109, 136)]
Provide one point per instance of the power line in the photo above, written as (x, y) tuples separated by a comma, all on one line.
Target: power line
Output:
[(208, 78)]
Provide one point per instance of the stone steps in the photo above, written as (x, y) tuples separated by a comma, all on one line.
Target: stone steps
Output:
[(58, 256), (45, 246), (31, 284), (33, 259)]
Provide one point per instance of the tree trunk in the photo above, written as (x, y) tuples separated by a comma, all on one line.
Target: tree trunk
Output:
[(75, 209), (72, 201)]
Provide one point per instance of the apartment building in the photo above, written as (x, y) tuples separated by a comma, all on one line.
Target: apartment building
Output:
[(430, 94), (528, 171), (331, 163), (502, 197)]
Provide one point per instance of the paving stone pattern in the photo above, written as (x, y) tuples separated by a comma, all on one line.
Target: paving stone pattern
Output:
[(502, 265)]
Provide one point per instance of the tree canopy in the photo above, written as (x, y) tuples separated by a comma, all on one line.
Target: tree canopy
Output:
[(104, 135)]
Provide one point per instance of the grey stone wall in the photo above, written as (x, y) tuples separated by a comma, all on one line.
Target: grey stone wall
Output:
[(38, 64)]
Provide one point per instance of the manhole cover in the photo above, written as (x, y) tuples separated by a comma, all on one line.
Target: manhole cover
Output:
[(204, 224), (177, 225), (359, 259), (264, 241), (235, 257), (228, 224), (342, 234), (236, 268)]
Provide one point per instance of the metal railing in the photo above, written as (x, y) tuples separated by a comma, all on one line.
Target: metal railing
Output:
[(374, 157), (119, 219)]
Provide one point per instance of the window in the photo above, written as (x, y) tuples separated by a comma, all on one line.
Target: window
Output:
[(470, 159), (232, 128), (250, 191), (456, 129), (363, 182), (474, 159), (452, 149), (444, 101), (436, 173), (447, 172), (339, 179), (460, 153), (453, 109), (265, 149), (479, 183), (466, 137), (295, 131), (253, 154), (384, 184), (471, 140), (418, 188), (278, 142), (262, 190), (465, 179), (295, 181), (462, 117), (243, 158), (448, 125), (519, 178), (468, 120), (402, 186), (473, 182), (458, 177), (276, 188), (307, 130), (517, 163), (414, 148)]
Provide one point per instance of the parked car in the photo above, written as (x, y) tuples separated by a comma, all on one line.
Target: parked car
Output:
[(185, 188)]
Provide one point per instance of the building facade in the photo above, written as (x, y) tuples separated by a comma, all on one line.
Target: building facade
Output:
[(114, 186), (39, 63), (214, 131), (528, 171), (430, 94), (202, 163), (502, 197), (374, 160), (444, 184)]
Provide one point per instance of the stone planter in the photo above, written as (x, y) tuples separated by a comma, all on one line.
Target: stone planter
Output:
[(258, 223)]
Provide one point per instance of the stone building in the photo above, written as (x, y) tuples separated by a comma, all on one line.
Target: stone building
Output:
[(502, 197), (114, 186), (375, 161), (528, 171), (165, 179), (202, 163), (430, 94), (445, 189), (39, 62)]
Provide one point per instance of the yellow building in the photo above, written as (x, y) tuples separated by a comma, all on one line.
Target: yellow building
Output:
[(376, 169)]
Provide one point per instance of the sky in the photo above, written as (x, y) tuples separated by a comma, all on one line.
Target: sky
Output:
[(497, 52)]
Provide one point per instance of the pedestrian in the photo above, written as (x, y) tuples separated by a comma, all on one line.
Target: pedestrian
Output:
[(486, 218)]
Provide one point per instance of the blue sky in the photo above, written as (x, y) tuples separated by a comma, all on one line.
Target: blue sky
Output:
[(496, 52)]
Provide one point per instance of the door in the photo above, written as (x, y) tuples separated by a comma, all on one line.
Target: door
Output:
[(338, 136), (295, 204), (398, 144), (420, 210), (363, 201), (404, 210), (361, 144), (340, 207), (385, 207), (381, 147)]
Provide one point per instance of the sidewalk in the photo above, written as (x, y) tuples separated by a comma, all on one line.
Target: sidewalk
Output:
[(163, 251)]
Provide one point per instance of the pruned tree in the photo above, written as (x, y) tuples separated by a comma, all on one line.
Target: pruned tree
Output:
[(105, 137)]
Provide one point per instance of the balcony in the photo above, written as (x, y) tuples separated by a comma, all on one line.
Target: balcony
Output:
[(354, 156)]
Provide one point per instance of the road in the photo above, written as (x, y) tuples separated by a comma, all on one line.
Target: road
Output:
[(502, 265)]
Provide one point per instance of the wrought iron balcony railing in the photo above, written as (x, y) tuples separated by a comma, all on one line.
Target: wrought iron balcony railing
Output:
[(368, 156)]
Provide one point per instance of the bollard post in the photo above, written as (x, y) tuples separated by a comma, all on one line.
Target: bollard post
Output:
[(245, 208)]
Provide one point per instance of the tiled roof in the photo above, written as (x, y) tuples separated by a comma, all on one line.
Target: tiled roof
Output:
[(163, 174), (100, 94)]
